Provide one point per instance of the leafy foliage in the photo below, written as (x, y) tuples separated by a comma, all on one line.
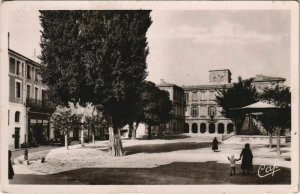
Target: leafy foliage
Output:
[(97, 57), (240, 94), (65, 122), (279, 119), (155, 107)]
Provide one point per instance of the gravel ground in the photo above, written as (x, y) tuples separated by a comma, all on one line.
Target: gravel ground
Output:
[(149, 154)]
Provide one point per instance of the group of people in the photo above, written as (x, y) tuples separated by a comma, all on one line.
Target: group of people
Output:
[(246, 156)]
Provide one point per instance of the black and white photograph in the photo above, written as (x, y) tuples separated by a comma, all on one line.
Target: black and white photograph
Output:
[(150, 96)]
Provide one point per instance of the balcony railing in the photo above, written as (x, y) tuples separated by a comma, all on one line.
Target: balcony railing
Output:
[(40, 105)]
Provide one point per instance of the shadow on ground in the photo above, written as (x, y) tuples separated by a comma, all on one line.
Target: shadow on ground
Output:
[(168, 147), (169, 137), (177, 173)]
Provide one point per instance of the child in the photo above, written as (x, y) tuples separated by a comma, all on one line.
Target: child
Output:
[(232, 164)]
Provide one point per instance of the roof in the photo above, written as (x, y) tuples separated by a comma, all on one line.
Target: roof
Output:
[(22, 56), (263, 78), (166, 84), (220, 70), (257, 105), (207, 87)]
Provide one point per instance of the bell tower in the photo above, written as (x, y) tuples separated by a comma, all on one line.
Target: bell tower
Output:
[(222, 76)]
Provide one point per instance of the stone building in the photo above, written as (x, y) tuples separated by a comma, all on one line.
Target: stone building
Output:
[(203, 115), (29, 111)]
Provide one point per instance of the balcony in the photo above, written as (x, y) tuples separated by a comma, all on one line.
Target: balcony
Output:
[(43, 106)]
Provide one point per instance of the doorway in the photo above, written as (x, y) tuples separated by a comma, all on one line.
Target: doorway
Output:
[(17, 137)]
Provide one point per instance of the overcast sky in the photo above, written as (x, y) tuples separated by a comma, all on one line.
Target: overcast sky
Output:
[(185, 45)]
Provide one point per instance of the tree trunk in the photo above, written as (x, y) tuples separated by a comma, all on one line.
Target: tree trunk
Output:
[(93, 138), (149, 132), (82, 138), (278, 142), (270, 141), (115, 143), (131, 129), (66, 141), (133, 134)]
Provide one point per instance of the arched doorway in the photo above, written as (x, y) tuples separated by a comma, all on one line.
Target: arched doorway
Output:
[(229, 128), (221, 128), (203, 128), (212, 128), (186, 128), (194, 128)]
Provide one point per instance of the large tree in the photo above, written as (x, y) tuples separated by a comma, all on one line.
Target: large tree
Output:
[(156, 106), (276, 121), (96, 57), (240, 94)]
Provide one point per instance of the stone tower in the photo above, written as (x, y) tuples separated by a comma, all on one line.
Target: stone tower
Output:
[(222, 76)]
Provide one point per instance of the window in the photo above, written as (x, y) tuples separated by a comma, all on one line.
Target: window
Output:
[(186, 97), (18, 71), (28, 72), (36, 75), (211, 111), (28, 91), (36, 90), (12, 65), (17, 117), (203, 110), (203, 96), (194, 97), (43, 94), (212, 95), (194, 111), (18, 89)]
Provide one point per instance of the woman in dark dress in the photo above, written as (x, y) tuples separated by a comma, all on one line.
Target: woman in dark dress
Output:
[(247, 159), (215, 144), (10, 168)]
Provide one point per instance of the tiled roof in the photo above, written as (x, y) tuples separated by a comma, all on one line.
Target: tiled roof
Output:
[(207, 87), (263, 78)]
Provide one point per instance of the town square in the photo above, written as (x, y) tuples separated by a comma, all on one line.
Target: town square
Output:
[(150, 96)]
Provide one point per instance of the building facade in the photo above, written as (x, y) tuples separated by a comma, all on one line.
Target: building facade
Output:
[(29, 111), (202, 114)]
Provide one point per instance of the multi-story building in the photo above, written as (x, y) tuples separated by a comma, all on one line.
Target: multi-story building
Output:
[(203, 114), (29, 111), (176, 124)]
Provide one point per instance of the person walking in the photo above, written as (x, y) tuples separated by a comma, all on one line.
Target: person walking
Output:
[(247, 156), (215, 145)]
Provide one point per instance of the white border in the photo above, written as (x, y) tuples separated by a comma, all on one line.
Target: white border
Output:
[(162, 5)]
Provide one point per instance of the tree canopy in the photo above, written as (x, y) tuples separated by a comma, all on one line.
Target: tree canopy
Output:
[(96, 57), (156, 106), (280, 96), (240, 94)]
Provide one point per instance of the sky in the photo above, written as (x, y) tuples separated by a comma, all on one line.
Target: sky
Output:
[(185, 45)]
